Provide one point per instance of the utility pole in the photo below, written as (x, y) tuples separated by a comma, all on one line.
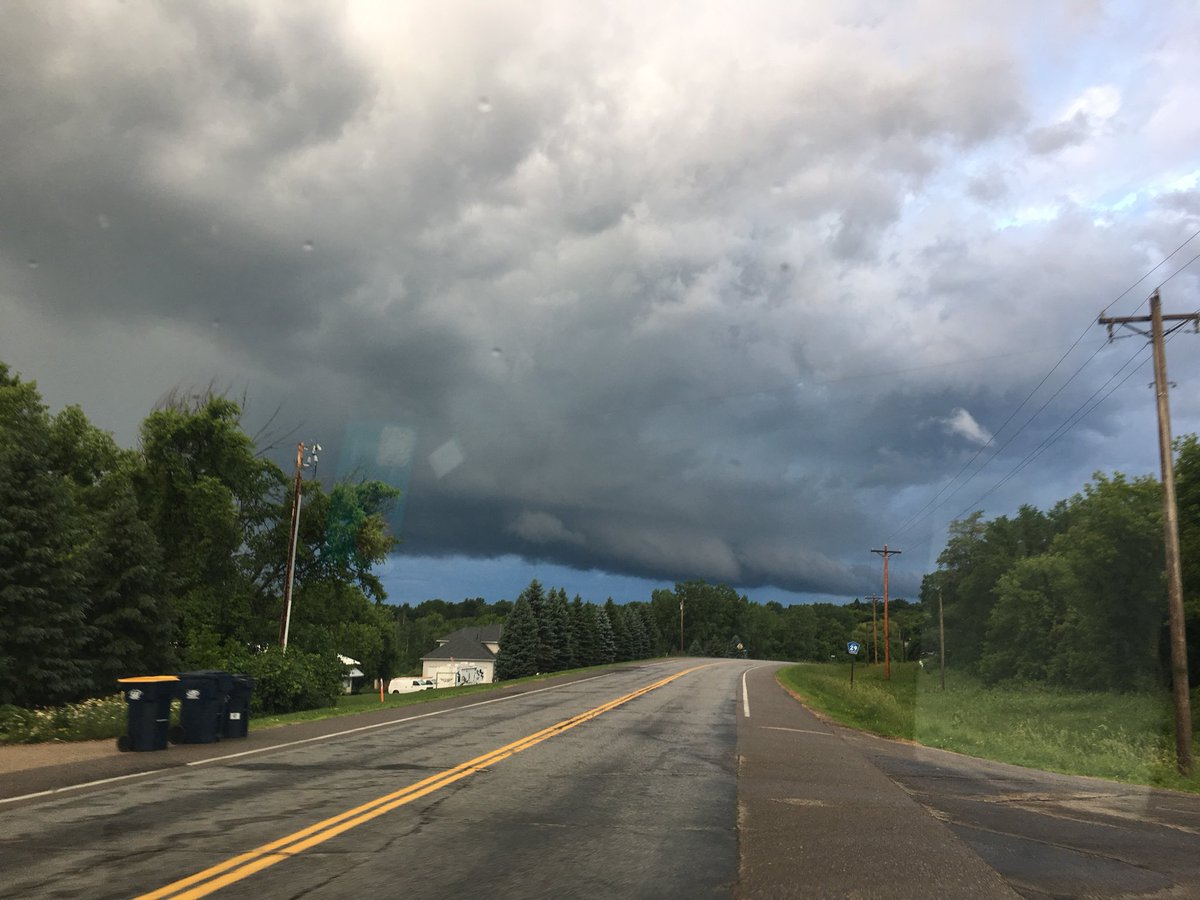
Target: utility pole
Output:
[(302, 462), (941, 641), (875, 626), (1179, 666), (681, 626), (887, 635)]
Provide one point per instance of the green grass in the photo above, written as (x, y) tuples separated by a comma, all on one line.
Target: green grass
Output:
[(1122, 737)]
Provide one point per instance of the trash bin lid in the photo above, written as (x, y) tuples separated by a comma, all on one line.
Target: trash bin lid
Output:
[(144, 679)]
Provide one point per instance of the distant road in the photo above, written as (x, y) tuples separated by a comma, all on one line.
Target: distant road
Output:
[(686, 778)]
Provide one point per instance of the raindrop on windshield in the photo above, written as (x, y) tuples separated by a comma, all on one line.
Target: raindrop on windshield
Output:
[(102, 221), (496, 351), (484, 105), (33, 264), (308, 246)]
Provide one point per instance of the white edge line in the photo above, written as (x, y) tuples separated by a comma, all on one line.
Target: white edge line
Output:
[(75, 787), (746, 693), (323, 737), (798, 730)]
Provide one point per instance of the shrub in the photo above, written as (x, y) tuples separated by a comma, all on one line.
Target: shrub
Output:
[(291, 681)]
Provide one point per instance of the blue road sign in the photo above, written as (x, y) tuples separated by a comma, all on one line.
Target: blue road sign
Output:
[(852, 648)]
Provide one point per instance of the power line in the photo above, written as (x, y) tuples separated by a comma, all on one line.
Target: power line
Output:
[(919, 514), (1074, 419)]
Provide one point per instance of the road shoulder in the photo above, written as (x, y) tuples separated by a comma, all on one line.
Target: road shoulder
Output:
[(817, 819)]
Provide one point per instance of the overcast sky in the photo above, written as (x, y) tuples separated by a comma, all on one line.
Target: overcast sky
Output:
[(647, 290)]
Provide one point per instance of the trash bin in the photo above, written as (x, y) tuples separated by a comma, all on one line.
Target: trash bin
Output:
[(204, 695), (148, 698), (236, 723)]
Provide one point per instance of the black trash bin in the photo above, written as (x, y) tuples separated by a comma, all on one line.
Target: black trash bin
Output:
[(203, 695), (236, 723), (148, 698)]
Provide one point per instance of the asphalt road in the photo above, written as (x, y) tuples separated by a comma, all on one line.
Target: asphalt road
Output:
[(627, 784)]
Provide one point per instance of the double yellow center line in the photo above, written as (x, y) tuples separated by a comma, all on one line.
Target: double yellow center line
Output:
[(242, 866)]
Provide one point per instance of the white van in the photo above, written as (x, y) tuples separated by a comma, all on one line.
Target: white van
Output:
[(409, 684)]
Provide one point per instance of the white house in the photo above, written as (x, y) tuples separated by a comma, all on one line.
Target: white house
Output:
[(466, 656), (350, 671)]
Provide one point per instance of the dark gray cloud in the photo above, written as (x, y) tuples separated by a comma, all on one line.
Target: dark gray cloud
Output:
[(688, 294)]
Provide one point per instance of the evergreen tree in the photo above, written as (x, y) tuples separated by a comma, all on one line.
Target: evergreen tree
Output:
[(654, 639), (43, 608), (622, 637), (560, 618), (637, 631), (574, 633), (606, 644), (132, 625), (518, 655), (587, 634), (548, 638)]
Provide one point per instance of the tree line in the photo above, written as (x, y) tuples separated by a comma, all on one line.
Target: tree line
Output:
[(546, 633), (1073, 596), (171, 556)]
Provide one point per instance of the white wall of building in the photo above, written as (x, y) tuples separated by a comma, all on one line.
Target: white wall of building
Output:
[(446, 674)]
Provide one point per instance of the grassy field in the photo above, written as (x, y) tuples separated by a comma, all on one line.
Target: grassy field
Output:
[(1123, 737)]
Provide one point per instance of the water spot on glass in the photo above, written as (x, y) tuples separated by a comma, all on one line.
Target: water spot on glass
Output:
[(785, 267), (484, 105), (102, 221), (308, 246), (496, 351), (33, 264), (216, 323), (446, 458)]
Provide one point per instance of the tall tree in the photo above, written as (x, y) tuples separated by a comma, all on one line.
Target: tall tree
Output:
[(1187, 490), (587, 633), (518, 655), (548, 637), (130, 618), (560, 619), (207, 496), (606, 644), (43, 607)]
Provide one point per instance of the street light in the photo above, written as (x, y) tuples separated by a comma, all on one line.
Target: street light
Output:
[(306, 457)]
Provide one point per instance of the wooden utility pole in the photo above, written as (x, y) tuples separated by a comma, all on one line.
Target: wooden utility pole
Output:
[(681, 626), (1179, 666), (875, 626), (887, 635), (302, 462), (941, 641)]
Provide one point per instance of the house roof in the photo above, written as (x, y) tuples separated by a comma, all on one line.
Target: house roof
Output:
[(485, 634), (468, 644)]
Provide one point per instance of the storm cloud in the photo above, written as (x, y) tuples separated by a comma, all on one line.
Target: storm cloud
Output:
[(667, 290)]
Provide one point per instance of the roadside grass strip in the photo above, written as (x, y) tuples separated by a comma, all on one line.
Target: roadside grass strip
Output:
[(1124, 737), (243, 865)]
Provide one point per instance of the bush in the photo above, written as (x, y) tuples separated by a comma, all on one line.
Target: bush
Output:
[(291, 681)]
